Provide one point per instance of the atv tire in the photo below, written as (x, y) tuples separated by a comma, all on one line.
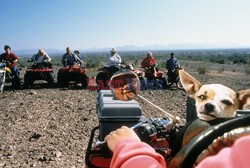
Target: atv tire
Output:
[(50, 78), (102, 77), (84, 82), (61, 80), (28, 81)]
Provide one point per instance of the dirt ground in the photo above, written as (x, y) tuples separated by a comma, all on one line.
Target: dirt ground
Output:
[(50, 127)]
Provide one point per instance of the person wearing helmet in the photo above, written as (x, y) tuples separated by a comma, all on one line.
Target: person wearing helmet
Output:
[(11, 60), (114, 61)]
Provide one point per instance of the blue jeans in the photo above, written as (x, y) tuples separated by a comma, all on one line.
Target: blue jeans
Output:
[(14, 71)]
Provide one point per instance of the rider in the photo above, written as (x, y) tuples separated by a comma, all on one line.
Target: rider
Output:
[(149, 63), (11, 60), (172, 64), (129, 151), (41, 58), (70, 58), (77, 52), (114, 61)]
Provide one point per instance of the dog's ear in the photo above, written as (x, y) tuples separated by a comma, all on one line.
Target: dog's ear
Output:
[(244, 99), (190, 84)]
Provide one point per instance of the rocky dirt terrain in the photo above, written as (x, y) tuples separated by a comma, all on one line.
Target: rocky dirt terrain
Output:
[(50, 127)]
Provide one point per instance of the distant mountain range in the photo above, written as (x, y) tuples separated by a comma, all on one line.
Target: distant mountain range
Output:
[(180, 46)]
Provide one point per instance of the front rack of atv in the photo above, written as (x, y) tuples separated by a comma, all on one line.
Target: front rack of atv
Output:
[(97, 157)]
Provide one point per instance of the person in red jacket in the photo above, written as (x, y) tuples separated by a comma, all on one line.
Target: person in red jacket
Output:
[(11, 60), (148, 64), (129, 151), (149, 61)]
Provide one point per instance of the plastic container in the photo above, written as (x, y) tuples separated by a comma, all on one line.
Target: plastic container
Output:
[(113, 114)]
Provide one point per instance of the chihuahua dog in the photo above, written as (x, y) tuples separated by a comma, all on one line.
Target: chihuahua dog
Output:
[(214, 100)]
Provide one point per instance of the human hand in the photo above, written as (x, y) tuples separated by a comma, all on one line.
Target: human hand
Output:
[(118, 135)]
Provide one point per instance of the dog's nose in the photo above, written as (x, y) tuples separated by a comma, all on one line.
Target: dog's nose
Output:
[(209, 107)]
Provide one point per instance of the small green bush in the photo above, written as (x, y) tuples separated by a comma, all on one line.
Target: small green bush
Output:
[(162, 65), (93, 63), (136, 62), (247, 71), (202, 70), (221, 70)]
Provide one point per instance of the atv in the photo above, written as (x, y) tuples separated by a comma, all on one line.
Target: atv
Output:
[(6, 76), (72, 74), (39, 71), (173, 78), (152, 78), (166, 135), (105, 74)]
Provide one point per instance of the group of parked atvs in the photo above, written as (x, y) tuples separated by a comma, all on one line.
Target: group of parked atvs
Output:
[(150, 78), (44, 71)]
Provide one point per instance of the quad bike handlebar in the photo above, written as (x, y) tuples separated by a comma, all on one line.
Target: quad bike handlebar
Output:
[(2, 65), (149, 129)]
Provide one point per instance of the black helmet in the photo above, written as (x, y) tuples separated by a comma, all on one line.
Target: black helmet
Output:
[(171, 54)]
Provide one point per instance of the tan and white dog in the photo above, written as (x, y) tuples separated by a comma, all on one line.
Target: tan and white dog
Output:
[(214, 100)]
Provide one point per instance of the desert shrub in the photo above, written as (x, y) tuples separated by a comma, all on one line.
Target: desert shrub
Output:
[(247, 71), (92, 63), (162, 65), (22, 63), (202, 70), (221, 70), (219, 59), (238, 59), (136, 62)]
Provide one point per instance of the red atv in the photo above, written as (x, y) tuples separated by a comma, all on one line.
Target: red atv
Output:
[(103, 77), (105, 74), (152, 78), (39, 71), (73, 73), (181, 145)]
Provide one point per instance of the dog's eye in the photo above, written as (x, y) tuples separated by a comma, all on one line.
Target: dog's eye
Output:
[(227, 102), (202, 97)]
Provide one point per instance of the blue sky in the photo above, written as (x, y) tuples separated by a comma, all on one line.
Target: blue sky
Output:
[(81, 24)]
